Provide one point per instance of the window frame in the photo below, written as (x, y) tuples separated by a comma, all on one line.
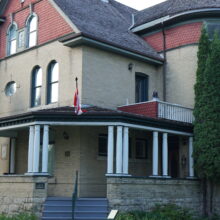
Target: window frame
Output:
[(28, 33), (34, 87), (144, 96), (9, 40), (50, 83), (145, 141), (105, 136)]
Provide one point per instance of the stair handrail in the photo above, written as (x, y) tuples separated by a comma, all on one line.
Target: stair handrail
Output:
[(75, 195)]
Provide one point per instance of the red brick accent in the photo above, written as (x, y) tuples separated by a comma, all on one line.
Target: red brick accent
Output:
[(176, 36), (51, 24), (149, 109)]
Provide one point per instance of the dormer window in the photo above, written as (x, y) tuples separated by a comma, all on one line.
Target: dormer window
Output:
[(12, 39), (32, 31)]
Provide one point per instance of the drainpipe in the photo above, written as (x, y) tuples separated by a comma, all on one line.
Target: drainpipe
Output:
[(165, 63), (132, 22)]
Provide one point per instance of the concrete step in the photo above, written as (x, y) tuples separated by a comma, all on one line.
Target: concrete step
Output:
[(57, 208), (94, 214)]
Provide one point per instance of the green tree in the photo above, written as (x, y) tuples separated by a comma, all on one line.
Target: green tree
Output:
[(207, 117)]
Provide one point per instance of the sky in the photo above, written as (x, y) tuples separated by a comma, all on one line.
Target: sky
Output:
[(140, 4)]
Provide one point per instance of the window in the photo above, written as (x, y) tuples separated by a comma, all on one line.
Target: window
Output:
[(10, 88), (36, 86), (212, 27), (141, 148), (141, 87), (103, 142), (32, 31), (53, 82), (12, 39)]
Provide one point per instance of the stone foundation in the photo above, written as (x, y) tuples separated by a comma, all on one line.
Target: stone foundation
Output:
[(128, 193), (19, 194)]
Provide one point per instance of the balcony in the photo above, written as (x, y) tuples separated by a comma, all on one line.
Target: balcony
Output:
[(162, 110)]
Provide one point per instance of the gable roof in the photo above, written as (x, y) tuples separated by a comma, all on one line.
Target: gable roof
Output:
[(172, 7), (106, 21)]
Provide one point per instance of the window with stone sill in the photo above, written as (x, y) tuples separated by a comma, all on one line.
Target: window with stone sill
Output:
[(36, 86), (52, 82), (32, 31), (141, 87), (141, 148), (12, 39)]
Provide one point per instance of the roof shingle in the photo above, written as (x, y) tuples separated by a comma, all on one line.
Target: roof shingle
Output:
[(172, 7), (107, 21)]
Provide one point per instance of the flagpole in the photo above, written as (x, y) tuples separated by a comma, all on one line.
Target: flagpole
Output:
[(76, 79)]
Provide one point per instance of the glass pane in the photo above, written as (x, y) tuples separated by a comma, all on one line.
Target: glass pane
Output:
[(103, 145), (13, 47), (37, 97), (54, 72), (33, 39), (54, 92), (10, 89), (12, 33), (38, 77), (33, 24), (21, 39)]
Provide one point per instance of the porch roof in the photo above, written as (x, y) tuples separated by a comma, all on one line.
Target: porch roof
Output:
[(91, 114)]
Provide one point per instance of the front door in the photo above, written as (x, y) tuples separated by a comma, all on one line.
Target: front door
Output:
[(173, 143)]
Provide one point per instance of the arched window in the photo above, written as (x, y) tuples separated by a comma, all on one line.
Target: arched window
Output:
[(36, 86), (32, 31), (53, 82), (12, 39)]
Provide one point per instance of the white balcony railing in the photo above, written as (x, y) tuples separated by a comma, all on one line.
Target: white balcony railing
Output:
[(175, 112)]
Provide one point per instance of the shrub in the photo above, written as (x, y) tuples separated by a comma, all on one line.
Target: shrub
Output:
[(22, 216), (162, 212)]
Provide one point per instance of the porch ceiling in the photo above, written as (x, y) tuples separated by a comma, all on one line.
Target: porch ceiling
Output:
[(91, 115)]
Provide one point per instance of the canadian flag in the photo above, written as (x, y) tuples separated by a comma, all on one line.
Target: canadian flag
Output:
[(76, 103)]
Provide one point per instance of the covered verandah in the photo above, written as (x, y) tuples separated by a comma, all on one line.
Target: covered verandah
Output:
[(118, 127)]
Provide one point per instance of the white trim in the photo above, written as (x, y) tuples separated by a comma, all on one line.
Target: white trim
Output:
[(150, 24), (141, 127), (167, 18)]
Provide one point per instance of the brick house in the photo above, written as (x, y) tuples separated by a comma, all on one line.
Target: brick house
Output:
[(131, 150)]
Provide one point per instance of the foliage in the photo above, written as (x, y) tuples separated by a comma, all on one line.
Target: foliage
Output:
[(162, 212), (22, 216), (207, 109)]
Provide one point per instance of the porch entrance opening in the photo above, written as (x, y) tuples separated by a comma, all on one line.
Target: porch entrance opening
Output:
[(174, 165)]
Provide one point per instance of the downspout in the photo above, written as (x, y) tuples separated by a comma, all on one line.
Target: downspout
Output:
[(165, 63), (132, 22)]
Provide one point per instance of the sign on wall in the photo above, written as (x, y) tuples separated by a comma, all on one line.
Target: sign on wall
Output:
[(4, 151)]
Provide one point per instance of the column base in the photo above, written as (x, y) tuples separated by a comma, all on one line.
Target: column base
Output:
[(156, 176), (166, 177), (191, 178), (37, 174), (117, 174)]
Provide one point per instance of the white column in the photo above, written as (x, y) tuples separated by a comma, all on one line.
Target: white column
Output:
[(155, 153), (110, 165), (191, 161), (119, 151), (45, 149), (36, 149), (125, 150), (165, 154), (12, 155), (31, 149)]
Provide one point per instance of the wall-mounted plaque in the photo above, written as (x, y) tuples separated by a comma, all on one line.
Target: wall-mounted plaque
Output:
[(4, 151)]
